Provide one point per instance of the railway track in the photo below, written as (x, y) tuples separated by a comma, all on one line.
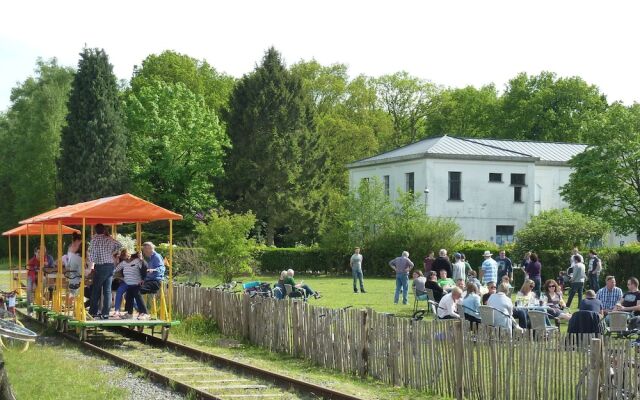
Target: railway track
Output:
[(196, 373)]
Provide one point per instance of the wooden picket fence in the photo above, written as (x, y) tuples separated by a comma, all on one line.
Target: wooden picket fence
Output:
[(446, 358)]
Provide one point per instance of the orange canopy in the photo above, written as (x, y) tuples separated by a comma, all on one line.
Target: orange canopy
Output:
[(124, 208), (34, 230)]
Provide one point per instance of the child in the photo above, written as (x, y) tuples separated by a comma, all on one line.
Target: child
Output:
[(134, 271), (11, 304), (561, 280)]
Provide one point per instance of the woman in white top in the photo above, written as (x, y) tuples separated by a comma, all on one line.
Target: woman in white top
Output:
[(526, 295)]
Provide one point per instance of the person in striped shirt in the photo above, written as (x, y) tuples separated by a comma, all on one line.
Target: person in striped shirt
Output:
[(609, 295), (489, 269)]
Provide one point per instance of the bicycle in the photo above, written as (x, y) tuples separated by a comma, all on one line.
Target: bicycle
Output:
[(13, 334), (227, 287)]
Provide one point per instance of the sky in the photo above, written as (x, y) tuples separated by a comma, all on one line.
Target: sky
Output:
[(451, 43)]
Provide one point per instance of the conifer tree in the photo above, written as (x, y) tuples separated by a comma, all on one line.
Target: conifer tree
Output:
[(93, 159), (268, 121)]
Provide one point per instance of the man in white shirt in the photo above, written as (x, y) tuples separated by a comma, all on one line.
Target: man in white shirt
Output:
[(356, 270), (448, 306), (459, 268)]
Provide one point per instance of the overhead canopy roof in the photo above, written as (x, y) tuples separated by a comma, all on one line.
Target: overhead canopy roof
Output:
[(36, 229), (124, 208)]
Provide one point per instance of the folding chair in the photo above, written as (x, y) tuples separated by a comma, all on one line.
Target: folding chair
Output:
[(434, 307), (486, 315), (293, 291), (618, 324), (538, 321), (419, 296)]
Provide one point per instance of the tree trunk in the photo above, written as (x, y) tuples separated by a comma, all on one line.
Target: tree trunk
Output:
[(270, 234)]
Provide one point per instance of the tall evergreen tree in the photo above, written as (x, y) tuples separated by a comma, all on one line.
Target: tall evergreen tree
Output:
[(268, 125), (93, 160)]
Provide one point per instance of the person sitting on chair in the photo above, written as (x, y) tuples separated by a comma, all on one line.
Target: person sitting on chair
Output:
[(471, 303), (305, 288), (419, 282), (432, 283), (445, 282), (448, 305), (590, 303), (155, 272)]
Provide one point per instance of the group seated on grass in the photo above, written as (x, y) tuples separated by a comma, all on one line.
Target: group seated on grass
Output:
[(287, 287), (606, 311)]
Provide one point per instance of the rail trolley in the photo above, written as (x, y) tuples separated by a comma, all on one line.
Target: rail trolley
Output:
[(111, 211)]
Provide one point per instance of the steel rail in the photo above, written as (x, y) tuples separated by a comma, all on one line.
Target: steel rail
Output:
[(277, 379)]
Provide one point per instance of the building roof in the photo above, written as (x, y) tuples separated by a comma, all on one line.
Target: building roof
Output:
[(472, 148)]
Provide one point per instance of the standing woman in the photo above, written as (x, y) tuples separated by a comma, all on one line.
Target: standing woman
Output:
[(533, 269)]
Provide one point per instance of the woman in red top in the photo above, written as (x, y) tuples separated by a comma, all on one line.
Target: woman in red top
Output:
[(32, 271)]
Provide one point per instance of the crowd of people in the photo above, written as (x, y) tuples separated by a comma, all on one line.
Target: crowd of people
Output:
[(111, 273), (459, 290)]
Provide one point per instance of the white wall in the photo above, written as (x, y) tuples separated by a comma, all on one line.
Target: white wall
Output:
[(484, 204)]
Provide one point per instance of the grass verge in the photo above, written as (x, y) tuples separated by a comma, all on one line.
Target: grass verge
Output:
[(199, 332)]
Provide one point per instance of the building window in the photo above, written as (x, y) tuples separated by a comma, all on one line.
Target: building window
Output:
[(455, 181), (517, 179), (517, 194), (408, 182), (494, 177), (385, 179), (504, 234)]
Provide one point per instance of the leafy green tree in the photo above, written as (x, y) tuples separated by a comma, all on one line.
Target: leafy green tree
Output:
[(559, 229), (605, 181), (197, 75), (545, 107), (176, 147), (406, 98), (269, 122), (93, 160), (30, 141), (468, 112), (226, 243)]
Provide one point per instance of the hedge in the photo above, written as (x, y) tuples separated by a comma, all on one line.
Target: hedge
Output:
[(273, 260)]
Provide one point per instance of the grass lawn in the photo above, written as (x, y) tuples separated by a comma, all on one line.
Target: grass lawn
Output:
[(199, 332), (59, 372), (337, 292)]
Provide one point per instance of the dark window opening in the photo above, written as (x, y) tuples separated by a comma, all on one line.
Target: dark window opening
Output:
[(409, 180), (455, 185), (517, 179), (386, 185), (495, 177), (517, 194), (504, 234)]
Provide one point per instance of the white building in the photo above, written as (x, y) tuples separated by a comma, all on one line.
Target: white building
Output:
[(491, 188)]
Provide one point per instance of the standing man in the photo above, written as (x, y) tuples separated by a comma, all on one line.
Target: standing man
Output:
[(356, 269), (505, 267), (577, 280), (609, 295), (402, 266), (428, 263), (155, 271), (103, 249), (572, 262), (595, 267), (489, 269), (442, 262)]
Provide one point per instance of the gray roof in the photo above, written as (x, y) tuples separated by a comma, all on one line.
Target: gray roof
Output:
[(489, 149)]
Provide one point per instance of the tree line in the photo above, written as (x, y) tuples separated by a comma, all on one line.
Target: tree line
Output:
[(274, 142)]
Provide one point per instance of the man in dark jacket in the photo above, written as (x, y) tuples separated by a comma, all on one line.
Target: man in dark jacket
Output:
[(442, 262), (432, 283)]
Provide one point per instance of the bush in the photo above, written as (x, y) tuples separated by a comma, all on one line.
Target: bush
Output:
[(559, 229), (273, 260)]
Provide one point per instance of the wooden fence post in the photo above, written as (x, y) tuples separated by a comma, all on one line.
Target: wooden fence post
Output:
[(459, 358), (595, 365), (364, 353)]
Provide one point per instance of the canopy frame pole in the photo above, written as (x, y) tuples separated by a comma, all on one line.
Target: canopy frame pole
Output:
[(40, 286), (12, 285), (80, 312), (170, 290), (19, 285), (58, 296), (26, 260), (139, 237)]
